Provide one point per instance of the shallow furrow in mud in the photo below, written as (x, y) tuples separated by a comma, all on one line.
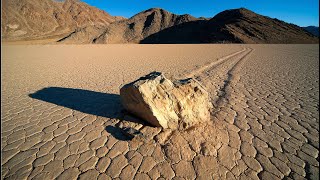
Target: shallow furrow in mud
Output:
[(217, 75)]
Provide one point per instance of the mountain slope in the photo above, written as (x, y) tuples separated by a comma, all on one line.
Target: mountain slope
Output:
[(244, 26), (313, 30), (234, 26), (140, 26), (72, 21), (34, 19)]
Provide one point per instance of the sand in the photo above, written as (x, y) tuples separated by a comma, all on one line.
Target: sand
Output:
[(61, 114)]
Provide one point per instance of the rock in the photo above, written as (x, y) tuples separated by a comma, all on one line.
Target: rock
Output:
[(160, 102), (131, 132)]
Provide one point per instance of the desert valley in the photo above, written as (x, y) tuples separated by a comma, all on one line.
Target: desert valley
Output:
[(63, 64)]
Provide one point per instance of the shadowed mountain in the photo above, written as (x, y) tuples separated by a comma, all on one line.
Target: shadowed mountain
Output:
[(234, 26), (34, 19), (72, 21), (244, 26), (141, 25), (313, 30), (185, 33), (85, 35)]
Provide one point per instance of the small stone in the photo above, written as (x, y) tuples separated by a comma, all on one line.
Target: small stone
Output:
[(131, 132)]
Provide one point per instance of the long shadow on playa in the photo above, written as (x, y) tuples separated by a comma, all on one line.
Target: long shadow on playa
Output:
[(86, 101), (90, 102)]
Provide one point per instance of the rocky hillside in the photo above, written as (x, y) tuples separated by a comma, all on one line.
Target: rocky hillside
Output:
[(244, 26), (138, 27), (234, 26), (313, 30), (34, 19), (73, 21)]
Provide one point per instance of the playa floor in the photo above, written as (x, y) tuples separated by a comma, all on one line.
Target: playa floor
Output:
[(62, 117)]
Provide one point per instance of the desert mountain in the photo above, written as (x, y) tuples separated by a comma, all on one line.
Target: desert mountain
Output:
[(131, 30), (234, 26), (72, 21), (244, 26), (34, 19), (136, 28), (313, 30)]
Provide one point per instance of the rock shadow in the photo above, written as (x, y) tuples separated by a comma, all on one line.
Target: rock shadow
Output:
[(86, 101), (117, 133)]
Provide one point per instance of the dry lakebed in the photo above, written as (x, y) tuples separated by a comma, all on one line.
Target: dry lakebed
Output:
[(62, 117)]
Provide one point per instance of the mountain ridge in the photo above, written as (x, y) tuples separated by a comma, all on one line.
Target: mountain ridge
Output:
[(312, 29), (80, 23), (234, 26), (33, 19)]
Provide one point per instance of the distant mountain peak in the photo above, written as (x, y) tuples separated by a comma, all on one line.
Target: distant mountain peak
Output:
[(235, 13), (155, 9), (312, 29), (162, 12), (242, 9), (78, 22)]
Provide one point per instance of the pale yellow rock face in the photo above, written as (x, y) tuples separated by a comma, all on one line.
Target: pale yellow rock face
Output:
[(160, 102)]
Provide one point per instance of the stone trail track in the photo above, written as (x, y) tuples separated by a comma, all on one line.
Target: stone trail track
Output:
[(265, 125)]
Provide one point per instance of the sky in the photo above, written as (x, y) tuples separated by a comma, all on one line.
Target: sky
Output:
[(299, 12)]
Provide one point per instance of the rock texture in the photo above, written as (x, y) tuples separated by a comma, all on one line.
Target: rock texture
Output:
[(244, 26), (234, 26), (142, 25), (75, 22), (266, 125), (159, 101), (33, 19)]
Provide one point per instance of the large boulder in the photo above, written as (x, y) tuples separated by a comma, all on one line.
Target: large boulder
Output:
[(160, 102)]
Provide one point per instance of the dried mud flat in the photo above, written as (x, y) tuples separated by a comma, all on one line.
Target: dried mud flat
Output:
[(61, 114)]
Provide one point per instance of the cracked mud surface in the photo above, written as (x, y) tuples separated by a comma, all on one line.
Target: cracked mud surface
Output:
[(61, 114)]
